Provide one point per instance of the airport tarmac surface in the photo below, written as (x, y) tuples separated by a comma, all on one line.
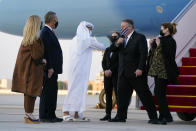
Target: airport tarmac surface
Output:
[(12, 118)]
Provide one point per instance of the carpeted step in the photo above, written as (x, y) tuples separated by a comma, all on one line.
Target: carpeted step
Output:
[(181, 100), (189, 61), (177, 108), (179, 103), (187, 109), (192, 52), (181, 90), (187, 80), (187, 70)]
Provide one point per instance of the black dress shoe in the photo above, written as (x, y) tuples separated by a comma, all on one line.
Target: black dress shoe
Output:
[(57, 119), (52, 120), (153, 121), (162, 122), (169, 120), (44, 120), (166, 119), (117, 119), (106, 118)]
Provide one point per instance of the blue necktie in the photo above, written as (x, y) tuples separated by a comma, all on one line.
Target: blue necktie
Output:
[(125, 40)]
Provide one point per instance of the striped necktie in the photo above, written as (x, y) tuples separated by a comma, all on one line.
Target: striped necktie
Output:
[(125, 41)]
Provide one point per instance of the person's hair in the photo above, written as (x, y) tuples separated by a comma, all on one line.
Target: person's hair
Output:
[(171, 27), (116, 33), (129, 21), (49, 16), (31, 30)]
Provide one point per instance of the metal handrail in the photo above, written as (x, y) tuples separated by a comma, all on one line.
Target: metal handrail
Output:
[(186, 45), (183, 11)]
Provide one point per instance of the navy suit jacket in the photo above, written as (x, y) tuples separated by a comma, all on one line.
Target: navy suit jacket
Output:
[(53, 52)]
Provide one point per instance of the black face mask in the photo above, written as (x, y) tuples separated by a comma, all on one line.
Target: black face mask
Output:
[(161, 33), (114, 38), (56, 24), (41, 25)]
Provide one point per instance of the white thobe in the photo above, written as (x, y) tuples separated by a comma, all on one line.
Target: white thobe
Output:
[(78, 74)]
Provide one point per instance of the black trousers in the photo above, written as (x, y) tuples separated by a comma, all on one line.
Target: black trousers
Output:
[(160, 93), (48, 99), (125, 89), (110, 84)]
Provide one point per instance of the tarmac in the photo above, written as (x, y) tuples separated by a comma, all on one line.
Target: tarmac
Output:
[(12, 118)]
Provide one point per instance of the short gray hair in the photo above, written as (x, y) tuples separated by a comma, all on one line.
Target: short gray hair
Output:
[(49, 16)]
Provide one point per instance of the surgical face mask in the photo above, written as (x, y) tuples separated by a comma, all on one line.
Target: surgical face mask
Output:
[(114, 38), (161, 33), (56, 24), (123, 32)]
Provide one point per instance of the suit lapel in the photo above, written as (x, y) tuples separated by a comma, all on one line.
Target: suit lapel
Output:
[(51, 32), (53, 35), (130, 39)]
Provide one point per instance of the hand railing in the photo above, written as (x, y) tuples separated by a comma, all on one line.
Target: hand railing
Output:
[(183, 11)]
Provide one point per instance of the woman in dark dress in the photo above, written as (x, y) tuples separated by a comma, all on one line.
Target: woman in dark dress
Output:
[(163, 68)]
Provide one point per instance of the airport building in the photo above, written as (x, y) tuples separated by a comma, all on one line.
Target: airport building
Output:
[(5, 83)]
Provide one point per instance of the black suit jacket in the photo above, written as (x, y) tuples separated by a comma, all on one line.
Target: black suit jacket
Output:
[(168, 45), (111, 62), (133, 56), (53, 52)]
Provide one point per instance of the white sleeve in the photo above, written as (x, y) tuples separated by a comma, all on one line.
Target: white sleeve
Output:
[(94, 44)]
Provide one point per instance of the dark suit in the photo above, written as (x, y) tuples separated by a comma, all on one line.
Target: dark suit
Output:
[(131, 58), (110, 62), (54, 57), (169, 54)]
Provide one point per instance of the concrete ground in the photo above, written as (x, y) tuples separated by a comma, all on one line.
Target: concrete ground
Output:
[(12, 118)]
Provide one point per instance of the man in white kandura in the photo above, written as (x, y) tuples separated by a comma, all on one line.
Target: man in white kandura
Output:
[(78, 72)]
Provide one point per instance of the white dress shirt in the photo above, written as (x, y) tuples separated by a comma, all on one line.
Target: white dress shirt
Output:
[(49, 27), (128, 37)]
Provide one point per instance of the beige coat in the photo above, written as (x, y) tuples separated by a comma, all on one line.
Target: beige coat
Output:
[(28, 74)]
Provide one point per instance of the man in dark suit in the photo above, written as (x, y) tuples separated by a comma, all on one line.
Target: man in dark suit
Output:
[(132, 72), (54, 57)]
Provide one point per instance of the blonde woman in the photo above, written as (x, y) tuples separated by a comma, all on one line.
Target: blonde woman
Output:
[(28, 72)]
